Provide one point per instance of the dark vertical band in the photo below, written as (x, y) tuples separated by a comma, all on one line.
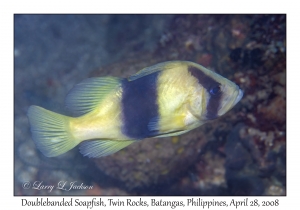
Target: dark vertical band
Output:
[(208, 83), (139, 106)]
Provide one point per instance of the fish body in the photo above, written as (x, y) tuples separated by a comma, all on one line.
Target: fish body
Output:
[(166, 99)]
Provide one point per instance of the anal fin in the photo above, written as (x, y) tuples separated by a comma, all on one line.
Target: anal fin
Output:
[(99, 148)]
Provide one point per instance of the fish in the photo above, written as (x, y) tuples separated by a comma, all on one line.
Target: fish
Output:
[(166, 99)]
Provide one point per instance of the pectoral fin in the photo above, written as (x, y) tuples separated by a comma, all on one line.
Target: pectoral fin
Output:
[(167, 124)]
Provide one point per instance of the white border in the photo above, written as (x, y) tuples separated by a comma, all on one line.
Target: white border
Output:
[(8, 8)]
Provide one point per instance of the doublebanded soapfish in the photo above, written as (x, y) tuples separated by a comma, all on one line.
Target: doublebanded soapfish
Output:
[(167, 99)]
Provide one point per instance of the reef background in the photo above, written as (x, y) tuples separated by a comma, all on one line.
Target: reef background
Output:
[(241, 153)]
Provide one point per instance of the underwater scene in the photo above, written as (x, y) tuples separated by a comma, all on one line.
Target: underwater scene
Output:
[(176, 105)]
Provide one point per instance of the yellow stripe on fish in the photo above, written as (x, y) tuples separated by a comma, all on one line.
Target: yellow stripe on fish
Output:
[(166, 99)]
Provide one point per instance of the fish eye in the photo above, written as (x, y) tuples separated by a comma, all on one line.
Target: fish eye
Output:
[(215, 90)]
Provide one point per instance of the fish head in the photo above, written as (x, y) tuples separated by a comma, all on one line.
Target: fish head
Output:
[(215, 95), (228, 94)]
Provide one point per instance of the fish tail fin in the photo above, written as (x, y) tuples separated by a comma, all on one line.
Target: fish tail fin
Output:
[(50, 131)]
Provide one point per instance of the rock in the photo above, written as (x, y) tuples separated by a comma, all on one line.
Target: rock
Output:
[(154, 161)]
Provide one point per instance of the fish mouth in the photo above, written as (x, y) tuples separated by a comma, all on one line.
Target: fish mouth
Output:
[(229, 106), (238, 98)]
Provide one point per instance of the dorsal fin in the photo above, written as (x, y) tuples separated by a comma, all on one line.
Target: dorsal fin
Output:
[(85, 96), (154, 68)]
